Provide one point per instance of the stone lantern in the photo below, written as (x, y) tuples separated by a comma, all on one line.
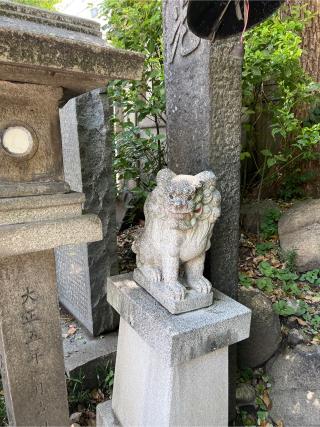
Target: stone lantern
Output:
[(45, 59)]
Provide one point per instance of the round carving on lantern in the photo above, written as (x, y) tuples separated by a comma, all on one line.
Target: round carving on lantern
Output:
[(19, 141)]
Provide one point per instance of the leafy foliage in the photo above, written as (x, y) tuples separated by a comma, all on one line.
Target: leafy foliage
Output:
[(258, 414), (290, 283), (245, 280), (264, 247), (105, 376), (78, 394), (312, 277), (265, 284), (3, 413), (274, 84), (289, 258), (269, 224), (137, 25), (45, 4), (283, 308)]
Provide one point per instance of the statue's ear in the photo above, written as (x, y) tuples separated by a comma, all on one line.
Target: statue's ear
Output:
[(206, 177), (164, 177)]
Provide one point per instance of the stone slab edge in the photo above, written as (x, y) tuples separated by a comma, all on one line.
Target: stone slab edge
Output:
[(42, 235), (182, 337), (23, 189), (192, 301), (29, 13), (106, 416), (42, 201), (51, 53)]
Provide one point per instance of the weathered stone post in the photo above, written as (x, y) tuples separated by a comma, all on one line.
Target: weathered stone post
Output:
[(44, 60), (203, 86)]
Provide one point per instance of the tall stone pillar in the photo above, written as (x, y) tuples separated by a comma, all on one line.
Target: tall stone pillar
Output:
[(203, 85)]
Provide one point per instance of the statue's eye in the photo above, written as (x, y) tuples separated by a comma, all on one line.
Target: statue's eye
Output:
[(171, 196)]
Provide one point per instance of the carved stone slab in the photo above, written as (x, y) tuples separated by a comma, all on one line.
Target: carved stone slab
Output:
[(32, 366), (192, 301), (30, 334), (87, 161), (73, 282)]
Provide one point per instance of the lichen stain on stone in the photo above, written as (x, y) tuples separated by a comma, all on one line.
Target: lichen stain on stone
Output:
[(43, 51)]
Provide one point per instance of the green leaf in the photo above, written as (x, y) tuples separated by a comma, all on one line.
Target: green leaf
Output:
[(271, 162), (283, 308), (266, 153), (245, 280), (264, 247), (266, 269), (265, 284), (312, 277), (245, 155)]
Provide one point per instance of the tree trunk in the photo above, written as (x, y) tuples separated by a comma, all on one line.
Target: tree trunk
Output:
[(310, 61), (310, 37)]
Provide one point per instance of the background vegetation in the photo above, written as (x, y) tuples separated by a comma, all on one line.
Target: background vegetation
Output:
[(280, 106), (280, 102), (139, 153), (45, 4)]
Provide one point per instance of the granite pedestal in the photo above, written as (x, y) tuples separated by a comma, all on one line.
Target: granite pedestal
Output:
[(171, 370)]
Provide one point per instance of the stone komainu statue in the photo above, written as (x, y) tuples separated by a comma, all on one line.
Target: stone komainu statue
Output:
[(179, 217)]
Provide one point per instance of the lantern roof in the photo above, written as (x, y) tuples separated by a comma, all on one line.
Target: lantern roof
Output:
[(42, 47)]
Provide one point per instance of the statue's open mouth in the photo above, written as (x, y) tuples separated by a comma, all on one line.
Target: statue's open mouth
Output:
[(198, 211), (181, 213), (184, 212)]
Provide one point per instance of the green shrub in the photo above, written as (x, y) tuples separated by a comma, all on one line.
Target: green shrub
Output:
[(274, 84), (3, 412), (269, 223), (45, 4), (139, 154)]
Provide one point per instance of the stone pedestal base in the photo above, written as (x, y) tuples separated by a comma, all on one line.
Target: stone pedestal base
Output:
[(149, 392), (105, 415), (193, 300), (171, 370)]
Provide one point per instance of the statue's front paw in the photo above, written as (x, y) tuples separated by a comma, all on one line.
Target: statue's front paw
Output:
[(156, 275), (152, 274), (201, 285), (176, 291)]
